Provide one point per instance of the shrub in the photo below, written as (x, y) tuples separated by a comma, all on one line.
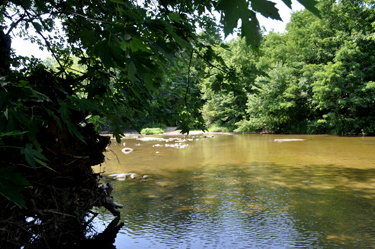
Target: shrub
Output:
[(217, 128), (251, 125), (148, 131)]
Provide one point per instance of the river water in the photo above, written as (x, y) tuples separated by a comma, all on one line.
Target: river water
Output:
[(244, 191)]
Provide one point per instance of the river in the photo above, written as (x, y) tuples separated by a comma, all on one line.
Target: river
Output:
[(244, 191)]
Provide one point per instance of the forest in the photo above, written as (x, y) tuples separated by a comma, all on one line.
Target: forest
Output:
[(318, 77), (119, 64)]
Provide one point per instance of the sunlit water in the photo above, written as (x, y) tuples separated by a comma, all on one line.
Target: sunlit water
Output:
[(245, 191)]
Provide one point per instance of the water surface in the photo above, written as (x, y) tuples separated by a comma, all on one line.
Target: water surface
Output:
[(245, 191)]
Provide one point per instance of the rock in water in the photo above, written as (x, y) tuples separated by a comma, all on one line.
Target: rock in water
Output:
[(121, 177), (288, 140), (127, 150)]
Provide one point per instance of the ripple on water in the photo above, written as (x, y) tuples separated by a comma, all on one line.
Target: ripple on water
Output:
[(246, 192)]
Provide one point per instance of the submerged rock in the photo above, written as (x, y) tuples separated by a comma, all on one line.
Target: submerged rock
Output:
[(177, 145), (289, 140), (149, 138), (122, 176)]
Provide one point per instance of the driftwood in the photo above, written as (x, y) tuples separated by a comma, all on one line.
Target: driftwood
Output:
[(106, 239), (106, 200)]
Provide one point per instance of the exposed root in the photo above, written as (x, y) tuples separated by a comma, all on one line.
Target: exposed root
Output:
[(58, 202), (105, 200)]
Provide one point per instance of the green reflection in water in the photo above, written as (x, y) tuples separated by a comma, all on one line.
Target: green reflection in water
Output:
[(247, 191)]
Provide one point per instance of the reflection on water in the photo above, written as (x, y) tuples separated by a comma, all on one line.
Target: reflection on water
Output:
[(245, 191)]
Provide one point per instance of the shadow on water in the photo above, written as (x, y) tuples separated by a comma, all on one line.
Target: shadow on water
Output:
[(103, 240), (335, 202), (274, 206)]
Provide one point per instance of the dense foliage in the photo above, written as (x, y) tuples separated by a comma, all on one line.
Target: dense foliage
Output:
[(318, 77), (149, 131), (225, 103)]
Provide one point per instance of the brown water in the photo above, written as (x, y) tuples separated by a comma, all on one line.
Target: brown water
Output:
[(245, 191)]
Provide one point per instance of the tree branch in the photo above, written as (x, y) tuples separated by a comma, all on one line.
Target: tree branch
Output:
[(188, 82), (45, 40), (14, 24), (83, 16)]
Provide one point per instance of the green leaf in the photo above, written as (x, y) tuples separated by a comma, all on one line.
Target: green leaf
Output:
[(266, 8), (23, 83), (25, 3), (250, 28), (32, 155), (37, 26), (232, 11), (52, 114), (65, 110), (95, 119), (11, 185), (288, 3), (137, 44), (179, 39), (87, 104), (136, 93), (175, 17), (117, 1), (310, 5), (229, 13), (73, 130), (107, 57), (44, 164), (12, 133), (21, 116), (132, 70), (129, 12), (163, 48), (87, 36), (103, 50), (38, 97)]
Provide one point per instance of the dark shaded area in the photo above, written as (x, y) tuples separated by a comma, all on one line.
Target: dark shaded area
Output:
[(62, 194), (5, 44), (104, 240)]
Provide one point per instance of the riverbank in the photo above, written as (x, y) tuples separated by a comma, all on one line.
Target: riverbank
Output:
[(171, 131)]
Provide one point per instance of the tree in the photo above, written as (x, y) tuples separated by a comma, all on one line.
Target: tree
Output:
[(344, 89), (48, 137), (320, 73), (226, 97)]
